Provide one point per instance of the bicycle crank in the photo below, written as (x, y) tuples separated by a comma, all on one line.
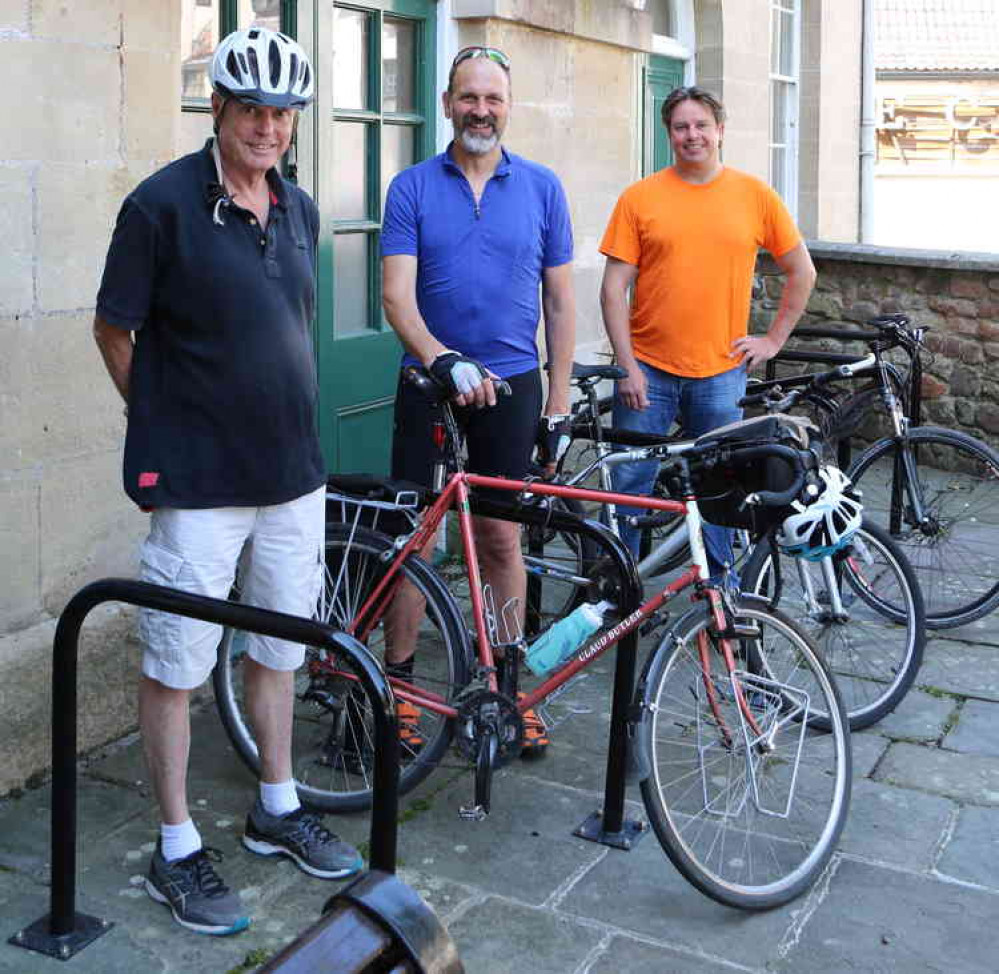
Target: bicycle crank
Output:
[(490, 733)]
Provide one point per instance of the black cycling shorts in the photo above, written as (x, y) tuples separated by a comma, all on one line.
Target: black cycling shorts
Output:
[(500, 439)]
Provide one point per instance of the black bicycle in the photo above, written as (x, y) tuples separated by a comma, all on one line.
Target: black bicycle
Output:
[(936, 490)]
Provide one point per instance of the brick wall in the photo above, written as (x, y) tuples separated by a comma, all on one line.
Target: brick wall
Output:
[(955, 295)]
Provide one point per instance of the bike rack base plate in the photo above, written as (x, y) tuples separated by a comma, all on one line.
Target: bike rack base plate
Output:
[(632, 831), (38, 936)]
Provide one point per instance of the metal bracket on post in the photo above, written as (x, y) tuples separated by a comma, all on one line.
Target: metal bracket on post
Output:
[(63, 932)]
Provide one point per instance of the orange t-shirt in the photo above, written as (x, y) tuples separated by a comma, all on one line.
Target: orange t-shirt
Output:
[(695, 247)]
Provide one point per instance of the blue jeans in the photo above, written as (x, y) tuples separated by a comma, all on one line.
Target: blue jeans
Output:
[(703, 405)]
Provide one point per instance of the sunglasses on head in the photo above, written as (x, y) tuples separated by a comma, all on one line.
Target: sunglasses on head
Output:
[(492, 53)]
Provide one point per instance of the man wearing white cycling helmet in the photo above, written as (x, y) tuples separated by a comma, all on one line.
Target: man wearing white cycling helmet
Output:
[(470, 240), (204, 322)]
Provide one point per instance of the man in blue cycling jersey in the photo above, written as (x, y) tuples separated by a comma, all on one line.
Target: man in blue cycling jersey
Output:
[(468, 237)]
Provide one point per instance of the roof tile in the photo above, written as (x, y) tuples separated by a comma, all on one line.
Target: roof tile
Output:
[(936, 35)]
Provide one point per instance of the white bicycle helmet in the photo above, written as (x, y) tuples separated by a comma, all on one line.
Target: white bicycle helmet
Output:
[(825, 525), (263, 67)]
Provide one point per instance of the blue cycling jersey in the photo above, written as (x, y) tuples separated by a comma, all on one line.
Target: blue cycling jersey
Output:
[(480, 264)]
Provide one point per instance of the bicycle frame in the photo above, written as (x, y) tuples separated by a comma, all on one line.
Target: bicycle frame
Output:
[(455, 496)]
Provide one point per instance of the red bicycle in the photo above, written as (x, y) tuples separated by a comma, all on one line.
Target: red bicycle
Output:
[(746, 795)]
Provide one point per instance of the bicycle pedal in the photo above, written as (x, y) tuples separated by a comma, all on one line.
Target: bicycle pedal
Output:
[(472, 813)]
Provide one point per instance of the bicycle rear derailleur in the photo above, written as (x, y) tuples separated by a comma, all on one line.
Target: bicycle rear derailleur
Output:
[(490, 733)]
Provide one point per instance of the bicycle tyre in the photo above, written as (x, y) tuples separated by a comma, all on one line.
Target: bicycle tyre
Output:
[(332, 735), (873, 653), (704, 796), (953, 556)]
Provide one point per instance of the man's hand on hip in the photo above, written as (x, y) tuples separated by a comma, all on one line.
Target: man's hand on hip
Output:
[(469, 382), (633, 390), (753, 350)]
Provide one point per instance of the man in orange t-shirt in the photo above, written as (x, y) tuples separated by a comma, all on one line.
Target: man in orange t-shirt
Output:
[(687, 239)]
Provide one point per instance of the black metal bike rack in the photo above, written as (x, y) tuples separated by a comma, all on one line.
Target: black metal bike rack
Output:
[(63, 932), (608, 825)]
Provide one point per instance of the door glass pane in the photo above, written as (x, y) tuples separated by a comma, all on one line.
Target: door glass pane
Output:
[(398, 66), (350, 191), (350, 295), (199, 36), (397, 151), (259, 13), (351, 39)]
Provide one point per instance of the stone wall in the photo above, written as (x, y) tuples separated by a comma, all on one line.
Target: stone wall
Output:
[(92, 97), (955, 295)]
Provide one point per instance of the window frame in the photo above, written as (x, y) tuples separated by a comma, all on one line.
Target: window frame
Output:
[(785, 179), (228, 22)]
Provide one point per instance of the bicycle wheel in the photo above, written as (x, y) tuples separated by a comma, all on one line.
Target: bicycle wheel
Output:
[(749, 811), (873, 653), (954, 552), (333, 730)]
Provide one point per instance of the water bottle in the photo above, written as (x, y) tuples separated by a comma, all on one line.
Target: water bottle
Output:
[(552, 648)]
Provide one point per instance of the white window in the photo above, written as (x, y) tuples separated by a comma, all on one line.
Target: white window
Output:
[(784, 54)]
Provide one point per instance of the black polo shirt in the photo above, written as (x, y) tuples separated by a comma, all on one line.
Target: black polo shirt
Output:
[(223, 392)]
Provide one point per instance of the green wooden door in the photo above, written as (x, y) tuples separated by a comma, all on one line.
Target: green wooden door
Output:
[(378, 119), (662, 75)]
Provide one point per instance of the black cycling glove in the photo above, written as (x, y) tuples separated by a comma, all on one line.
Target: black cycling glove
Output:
[(554, 437), (457, 373)]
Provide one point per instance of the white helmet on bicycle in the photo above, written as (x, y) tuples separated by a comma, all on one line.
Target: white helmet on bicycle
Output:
[(264, 67), (825, 525)]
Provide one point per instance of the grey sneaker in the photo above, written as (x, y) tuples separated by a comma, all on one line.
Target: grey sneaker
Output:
[(301, 836), (195, 893)]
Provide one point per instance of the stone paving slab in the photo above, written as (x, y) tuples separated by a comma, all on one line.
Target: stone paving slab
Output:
[(25, 823), (533, 823), (976, 731), (640, 892), (868, 748), (634, 957), (962, 668), (500, 937), (875, 921), (972, 855), (964, 777), (872, 829), (217, 776), (919, 717)]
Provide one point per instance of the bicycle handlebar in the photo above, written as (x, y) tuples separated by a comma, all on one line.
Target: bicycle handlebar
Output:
[(773, 396), (776, 451), (420, 378)]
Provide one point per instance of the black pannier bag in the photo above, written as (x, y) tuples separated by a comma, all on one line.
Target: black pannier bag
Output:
[(722, 485)]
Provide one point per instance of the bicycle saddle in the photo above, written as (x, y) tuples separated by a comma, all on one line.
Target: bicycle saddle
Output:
[(598, 371)]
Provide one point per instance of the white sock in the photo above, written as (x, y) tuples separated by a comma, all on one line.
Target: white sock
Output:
[(280, 798), (179, 841)]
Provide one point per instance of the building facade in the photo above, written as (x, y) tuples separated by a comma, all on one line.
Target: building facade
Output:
[(937, 115), (106, 91)]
